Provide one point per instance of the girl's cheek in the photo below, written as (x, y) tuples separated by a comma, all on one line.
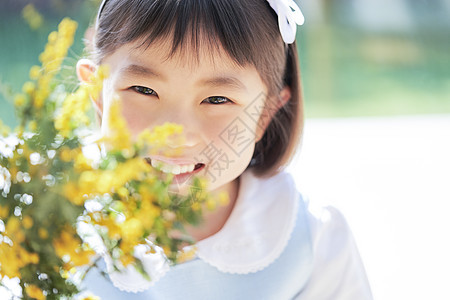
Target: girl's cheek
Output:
[(215, 126), (138, 114), (234, 133), (137, 121)]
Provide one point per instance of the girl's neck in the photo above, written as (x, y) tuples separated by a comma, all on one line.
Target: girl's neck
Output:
[(213, 221)]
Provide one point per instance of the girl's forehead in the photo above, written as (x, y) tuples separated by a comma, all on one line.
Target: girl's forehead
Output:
[(186, 56)]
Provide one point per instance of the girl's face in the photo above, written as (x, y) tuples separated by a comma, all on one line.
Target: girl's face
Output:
[(218, 103)]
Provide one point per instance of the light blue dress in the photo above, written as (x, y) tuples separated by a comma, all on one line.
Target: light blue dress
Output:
[(294, 274)]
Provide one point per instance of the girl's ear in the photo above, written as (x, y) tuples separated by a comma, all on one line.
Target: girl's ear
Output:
[(271, 108), (85, 70)]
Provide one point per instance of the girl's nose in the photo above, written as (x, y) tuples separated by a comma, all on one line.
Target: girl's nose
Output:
[(191, 133), (189, 140)]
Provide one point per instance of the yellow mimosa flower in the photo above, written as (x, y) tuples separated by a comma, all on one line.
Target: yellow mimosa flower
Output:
[(19, 100), (28, 87), (27, 222), (4, 211), (34, 292), (32, 16), (224, 199), (35, 72), (43, 233)]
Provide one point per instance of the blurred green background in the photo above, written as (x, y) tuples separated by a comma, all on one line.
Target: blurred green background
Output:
[(358, 57)]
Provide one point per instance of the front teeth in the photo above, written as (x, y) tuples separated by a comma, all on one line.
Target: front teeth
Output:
[(174, 169)]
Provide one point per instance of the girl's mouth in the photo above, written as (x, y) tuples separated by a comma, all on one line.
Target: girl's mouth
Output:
[(181, 172)]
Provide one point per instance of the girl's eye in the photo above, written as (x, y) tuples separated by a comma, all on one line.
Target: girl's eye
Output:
[(217, 100), (144, 90)]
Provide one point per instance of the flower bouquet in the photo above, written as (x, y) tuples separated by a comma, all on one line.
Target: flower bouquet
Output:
[(55, 174)]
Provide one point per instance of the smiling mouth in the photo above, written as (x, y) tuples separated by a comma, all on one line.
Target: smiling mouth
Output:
[(175, 169)]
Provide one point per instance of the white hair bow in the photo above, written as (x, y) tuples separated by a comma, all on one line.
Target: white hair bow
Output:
[(289, 15)]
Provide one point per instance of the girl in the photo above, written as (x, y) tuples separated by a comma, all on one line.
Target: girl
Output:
[(228, 71)]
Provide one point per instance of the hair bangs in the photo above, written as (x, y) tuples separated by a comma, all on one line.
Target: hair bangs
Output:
[(190, 25)]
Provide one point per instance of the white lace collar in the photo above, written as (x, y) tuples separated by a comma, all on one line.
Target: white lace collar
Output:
[(258, 228), (254, 236)]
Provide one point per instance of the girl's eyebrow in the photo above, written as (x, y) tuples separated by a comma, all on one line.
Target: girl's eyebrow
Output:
[(138, 70), (227, 81), (224, 81)]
